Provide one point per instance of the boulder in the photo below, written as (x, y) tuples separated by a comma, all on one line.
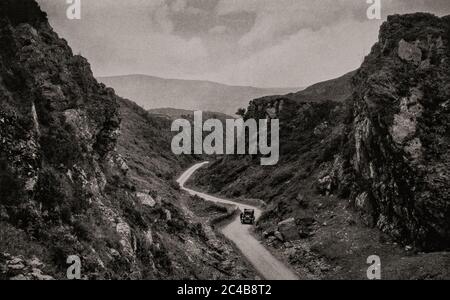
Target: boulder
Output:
[(409, 52), (269, 232), (168, 215), (288, 228), (19, 277), (37, 275), (146, 199), (279, 236), (271, 239)]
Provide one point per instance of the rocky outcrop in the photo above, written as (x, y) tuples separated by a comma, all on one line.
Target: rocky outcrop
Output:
[(58, 126), (18, 268), (401, 130)]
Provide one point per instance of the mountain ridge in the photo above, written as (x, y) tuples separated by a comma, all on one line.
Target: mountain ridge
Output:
[(139, 75), (153, 92)]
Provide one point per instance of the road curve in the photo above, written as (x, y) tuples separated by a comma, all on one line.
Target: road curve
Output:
[(263, 261)]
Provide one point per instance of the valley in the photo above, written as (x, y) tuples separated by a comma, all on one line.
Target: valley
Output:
[(88, 169)]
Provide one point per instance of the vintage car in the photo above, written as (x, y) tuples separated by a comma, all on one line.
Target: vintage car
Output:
[(248, 216)]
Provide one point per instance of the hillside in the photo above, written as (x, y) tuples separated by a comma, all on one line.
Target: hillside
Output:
[(173, 113), (153, 92), (338, 90), (365, 175), (84, 172)]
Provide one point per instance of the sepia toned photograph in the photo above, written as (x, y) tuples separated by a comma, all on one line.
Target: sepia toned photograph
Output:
[(228, 147)]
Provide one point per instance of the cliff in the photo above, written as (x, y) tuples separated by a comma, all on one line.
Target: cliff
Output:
[(402, 130)]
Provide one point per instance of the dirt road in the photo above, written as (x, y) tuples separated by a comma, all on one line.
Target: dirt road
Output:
[(263, 261)]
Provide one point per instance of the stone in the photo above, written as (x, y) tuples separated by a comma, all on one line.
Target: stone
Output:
[(269, 232), (272, 112), (425, 64), (279, 236), (121, 163), (271, 239), (19, 277), (288, 245), (362, 202), (149, 236), (30, 184), (414, 148), (409, 52), (35, 262), (15, 260), (168, 215), (325, 184), (321, 129), (37, 275), (114, 252), (288, 228), (146, 199), (17, 267), (405, 123), (124, 231)]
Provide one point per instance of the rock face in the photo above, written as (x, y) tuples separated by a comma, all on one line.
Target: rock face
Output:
[(58, 128), (401, 130)]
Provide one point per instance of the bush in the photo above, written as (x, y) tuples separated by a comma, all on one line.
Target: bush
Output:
[(10, 186), (16, 242)]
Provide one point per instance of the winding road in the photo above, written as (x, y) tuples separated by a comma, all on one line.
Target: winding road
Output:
[(262, 260)]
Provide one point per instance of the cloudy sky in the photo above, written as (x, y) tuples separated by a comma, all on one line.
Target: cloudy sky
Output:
[(267, 43)]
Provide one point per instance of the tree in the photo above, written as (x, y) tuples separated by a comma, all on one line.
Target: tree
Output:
[(241, 112)]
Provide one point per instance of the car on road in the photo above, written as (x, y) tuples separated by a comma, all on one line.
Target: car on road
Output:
[(248, 216)]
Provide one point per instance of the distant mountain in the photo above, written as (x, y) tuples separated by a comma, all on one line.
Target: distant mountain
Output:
[(175, 113), (154, 92)]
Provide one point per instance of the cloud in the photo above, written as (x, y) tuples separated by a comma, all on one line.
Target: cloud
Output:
[(219, 29), (304, 58), (245, 42), (161, 18), (132, 37), (278, 19), (179, 5)]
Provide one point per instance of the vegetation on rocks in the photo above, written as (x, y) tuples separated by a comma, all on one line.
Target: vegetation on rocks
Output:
[(85, 172)]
